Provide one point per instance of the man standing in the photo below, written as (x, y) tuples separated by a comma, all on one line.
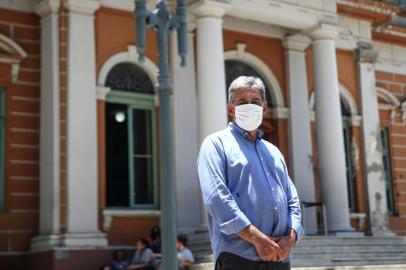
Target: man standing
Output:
[(252, 205)]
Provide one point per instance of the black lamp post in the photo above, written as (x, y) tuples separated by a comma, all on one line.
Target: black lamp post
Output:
[(164, 22)]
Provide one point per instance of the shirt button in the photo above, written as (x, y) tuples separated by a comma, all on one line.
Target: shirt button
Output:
[(262, 158), (273, 189), (267, 173), (276, 208)]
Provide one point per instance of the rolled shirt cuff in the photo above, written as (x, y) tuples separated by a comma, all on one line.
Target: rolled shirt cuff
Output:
[(235, 225), (299, 231)]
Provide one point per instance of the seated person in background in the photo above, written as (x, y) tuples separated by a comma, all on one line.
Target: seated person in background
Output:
[(143, 256), (185, 256), (118, 263), (154, 240)]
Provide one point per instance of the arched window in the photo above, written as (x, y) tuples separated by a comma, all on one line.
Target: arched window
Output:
[(349, 164), (234, 69), (131, 171)]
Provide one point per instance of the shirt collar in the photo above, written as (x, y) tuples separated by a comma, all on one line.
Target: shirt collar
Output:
[(233, 126)]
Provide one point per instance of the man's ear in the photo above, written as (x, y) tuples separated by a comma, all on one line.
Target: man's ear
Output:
[(231, 110), (265, 106)]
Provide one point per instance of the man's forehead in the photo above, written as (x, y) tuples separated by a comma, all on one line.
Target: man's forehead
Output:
[(241, 92)]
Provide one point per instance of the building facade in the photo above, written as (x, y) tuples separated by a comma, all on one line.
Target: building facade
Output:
[(79, 117)]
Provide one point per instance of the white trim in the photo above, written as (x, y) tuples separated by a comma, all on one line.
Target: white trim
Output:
[(252, 27), (263, 69), (345, 94), (392, 102), (108, 215), (390, 66), (102, 92), (88, 7), (391, 99), (280, 113), (11, 47), (15, 55), (129, 56), (403, 108)]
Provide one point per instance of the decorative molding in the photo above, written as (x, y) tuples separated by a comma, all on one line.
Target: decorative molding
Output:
[(108, 215), (241, 50), (365, 54), (403, 109), (280, 113), (262, 68), (47, 7), (129, 56), (102, 92), (297, 43), (209, 9), (87, 7), (323, 32), (356, 120), (392, 102), (14, 55)]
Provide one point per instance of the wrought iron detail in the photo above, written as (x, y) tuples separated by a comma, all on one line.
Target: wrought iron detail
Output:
[(235, 68), (130, 78)]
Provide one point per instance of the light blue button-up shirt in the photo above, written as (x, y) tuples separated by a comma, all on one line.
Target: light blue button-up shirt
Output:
[(245, 182)]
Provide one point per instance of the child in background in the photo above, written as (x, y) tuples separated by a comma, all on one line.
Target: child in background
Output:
[(185, 256)]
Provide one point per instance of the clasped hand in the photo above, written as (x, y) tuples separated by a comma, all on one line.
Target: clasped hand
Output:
[(274, 248)]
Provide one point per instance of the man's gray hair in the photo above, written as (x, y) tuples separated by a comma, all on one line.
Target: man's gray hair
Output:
[(246, 82)]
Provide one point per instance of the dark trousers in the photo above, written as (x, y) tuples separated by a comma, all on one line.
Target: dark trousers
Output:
[(228, 261)]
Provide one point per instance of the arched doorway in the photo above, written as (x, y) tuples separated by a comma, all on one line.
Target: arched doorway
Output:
[(131, 154), (234, 69)]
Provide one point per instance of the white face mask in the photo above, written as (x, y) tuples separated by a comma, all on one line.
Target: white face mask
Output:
[(248, 116)]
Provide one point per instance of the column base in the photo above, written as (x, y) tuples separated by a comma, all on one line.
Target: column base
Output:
[(76, 240), (382, 232)]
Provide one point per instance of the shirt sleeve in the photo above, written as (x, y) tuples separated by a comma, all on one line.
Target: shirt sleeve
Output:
[(219, 201), (294, 210), (188, 256)]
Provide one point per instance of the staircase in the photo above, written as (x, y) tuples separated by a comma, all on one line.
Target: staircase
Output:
[(326, 253)]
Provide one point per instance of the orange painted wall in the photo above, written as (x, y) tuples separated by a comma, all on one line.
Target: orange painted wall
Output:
[(20, 219), (115, 30)]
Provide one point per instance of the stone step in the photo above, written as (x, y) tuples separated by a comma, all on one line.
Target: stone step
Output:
[(327, 251), (210, 266)]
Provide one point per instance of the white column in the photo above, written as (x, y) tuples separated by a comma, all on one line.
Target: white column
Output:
[(300, 142), (211, 89), (82, 186), (330, 141), (374, 171), (185, 122), (49, 214)]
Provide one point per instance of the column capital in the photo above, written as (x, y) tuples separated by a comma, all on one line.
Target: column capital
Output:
[(210, 9), (297, 43), (88, 7), (365, 53), (323, 32), (47, 7)]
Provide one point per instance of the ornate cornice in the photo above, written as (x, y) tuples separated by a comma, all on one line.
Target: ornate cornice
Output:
[(209, 9), (297, 43), (324, 32), (365, 53), (88, 7), (47, 7)]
